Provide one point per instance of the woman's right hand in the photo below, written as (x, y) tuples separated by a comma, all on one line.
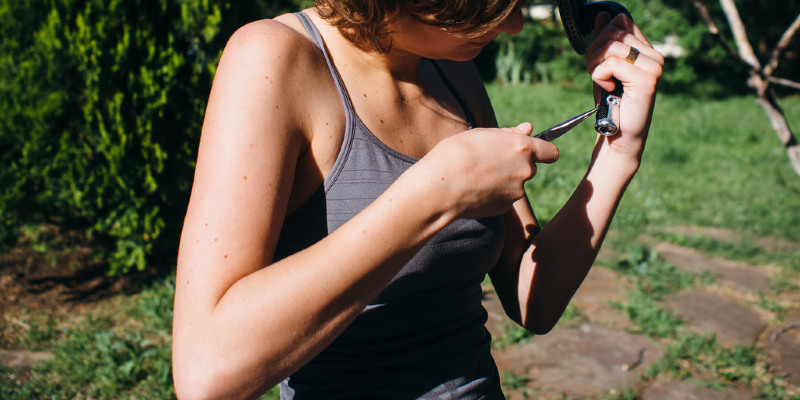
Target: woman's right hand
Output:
[(482, 172)]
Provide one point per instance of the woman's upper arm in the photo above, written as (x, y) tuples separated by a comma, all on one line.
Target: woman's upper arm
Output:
[(250, 144), (521, 227)]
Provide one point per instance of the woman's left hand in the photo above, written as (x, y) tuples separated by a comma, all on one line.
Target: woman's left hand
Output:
[(607, 58)]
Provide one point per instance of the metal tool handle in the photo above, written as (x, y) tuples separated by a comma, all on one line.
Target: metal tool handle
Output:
[(607, 122)]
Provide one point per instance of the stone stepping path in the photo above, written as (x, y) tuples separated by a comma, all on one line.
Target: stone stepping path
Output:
[(596, 354), (731, 274), (23, 360), (583, 360), (783, 347), (601, 287), (580, 362), (727, 236), (733, 322), (674, 390)]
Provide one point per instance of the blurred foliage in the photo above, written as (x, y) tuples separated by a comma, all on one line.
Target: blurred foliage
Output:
[(541, 52), (102, 107)]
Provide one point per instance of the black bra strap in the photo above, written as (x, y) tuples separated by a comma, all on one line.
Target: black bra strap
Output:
[(471, 124)]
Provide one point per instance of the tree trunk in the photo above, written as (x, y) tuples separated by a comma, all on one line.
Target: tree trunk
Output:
[(760, 78), (781, 127)]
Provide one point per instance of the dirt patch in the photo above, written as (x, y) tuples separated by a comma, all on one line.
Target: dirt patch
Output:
[(63, 275)]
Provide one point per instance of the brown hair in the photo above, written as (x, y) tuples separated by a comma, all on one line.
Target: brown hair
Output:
[(364, 22)]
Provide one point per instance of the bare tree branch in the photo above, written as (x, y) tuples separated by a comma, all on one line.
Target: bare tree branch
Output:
[(712, 27), (739, 33), (760, 77), (781, 127), (703, 10), (783, 43), (784, 82), (776, 117)]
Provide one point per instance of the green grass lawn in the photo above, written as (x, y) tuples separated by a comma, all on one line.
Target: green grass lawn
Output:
[(708, 163)]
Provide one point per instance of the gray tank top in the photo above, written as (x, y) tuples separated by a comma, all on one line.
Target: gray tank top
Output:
[(423, 336)]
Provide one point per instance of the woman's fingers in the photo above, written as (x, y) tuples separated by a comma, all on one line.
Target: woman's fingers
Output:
[(486, 168), (608, 28), (647, 58), (542, 151), (644, 70), (621, 52), (600, 21), (620, 29)]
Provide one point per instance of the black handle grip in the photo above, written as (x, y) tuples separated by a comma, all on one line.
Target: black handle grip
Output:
[(607, 121)]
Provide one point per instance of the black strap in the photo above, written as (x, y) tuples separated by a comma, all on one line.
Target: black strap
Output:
[(471, 124)]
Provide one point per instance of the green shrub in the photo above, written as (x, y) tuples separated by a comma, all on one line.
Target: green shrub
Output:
[(102, 108), (539, 53)]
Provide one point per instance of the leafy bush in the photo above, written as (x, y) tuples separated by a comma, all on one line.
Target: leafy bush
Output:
[(539, 53), (102, 108)]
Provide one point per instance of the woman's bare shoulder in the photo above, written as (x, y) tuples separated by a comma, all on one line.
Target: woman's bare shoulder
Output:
[(272, 63), (278, 42), (273, 54)]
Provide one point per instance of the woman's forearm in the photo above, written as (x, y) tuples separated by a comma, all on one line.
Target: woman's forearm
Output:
[(271, 322), (560, 256)]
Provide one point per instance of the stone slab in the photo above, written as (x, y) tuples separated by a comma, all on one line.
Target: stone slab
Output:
[(23, 360), (728, 236), (732, 274), (783, 348), (600, 287), (733, 322), (672, 390), (580, 362)]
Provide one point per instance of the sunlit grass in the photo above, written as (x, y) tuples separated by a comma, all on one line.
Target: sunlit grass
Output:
[(707, 163), (119, 350)]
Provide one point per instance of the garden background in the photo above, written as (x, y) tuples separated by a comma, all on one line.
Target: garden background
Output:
[(101, 105)]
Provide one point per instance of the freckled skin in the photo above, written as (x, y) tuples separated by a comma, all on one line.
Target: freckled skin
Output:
[(223, 345)]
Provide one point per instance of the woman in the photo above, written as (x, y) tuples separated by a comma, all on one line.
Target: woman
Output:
[(352, 190)]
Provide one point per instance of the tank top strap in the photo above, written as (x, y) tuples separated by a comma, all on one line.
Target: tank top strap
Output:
[(316, 37), (350, 112)]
